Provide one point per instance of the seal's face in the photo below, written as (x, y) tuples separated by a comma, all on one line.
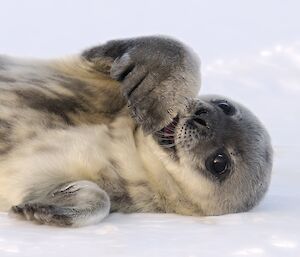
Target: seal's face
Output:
[(224, 149)]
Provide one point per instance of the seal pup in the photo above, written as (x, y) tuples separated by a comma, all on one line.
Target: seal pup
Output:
[(120, 128)]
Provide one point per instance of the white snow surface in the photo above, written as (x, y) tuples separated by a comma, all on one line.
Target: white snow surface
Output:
[(250, 52)]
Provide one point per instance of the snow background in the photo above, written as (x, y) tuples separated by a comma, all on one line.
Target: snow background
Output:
[(250, 51)]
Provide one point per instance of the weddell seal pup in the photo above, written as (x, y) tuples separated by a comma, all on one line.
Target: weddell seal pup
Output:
[(120, 128)]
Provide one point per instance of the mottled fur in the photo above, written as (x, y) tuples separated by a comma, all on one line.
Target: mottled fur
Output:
[(79, 137)]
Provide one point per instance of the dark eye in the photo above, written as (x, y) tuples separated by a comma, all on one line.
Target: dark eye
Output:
[(226, 107), (218, 164)]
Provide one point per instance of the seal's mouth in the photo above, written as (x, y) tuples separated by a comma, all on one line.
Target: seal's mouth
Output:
[(166, 136)]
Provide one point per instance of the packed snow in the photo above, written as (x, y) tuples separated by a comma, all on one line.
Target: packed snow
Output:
[(250, 52)]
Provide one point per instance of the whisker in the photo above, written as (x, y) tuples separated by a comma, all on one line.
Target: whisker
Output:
[(168, 146), (164, 138), (165, 134), (171, 145)]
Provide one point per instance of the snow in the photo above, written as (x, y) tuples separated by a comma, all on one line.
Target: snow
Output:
[(250, 51)]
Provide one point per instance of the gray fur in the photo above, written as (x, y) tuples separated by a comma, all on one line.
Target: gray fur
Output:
[(244, 139), (70, 152), (65, 205), (166, 67)]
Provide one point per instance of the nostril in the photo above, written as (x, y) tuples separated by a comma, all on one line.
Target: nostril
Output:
[(201, 111), (200, 121)]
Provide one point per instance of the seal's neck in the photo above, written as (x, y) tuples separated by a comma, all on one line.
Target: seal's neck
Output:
[(146, 180), (160, 173)]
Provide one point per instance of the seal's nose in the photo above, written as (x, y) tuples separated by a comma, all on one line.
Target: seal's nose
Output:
[(199, 121), (200, 117)]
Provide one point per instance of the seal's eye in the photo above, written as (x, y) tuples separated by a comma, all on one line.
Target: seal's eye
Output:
[(226, 107), (218, 164)]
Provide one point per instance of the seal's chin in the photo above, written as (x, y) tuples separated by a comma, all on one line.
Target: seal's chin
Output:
[(166, 136)]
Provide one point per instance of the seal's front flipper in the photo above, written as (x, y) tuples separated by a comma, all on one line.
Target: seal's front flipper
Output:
[(77, 203), (157, 74)]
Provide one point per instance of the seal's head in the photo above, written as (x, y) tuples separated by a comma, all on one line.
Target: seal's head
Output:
[(222, 152)]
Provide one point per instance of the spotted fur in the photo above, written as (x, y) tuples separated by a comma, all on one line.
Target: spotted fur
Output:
[(78, 137)]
